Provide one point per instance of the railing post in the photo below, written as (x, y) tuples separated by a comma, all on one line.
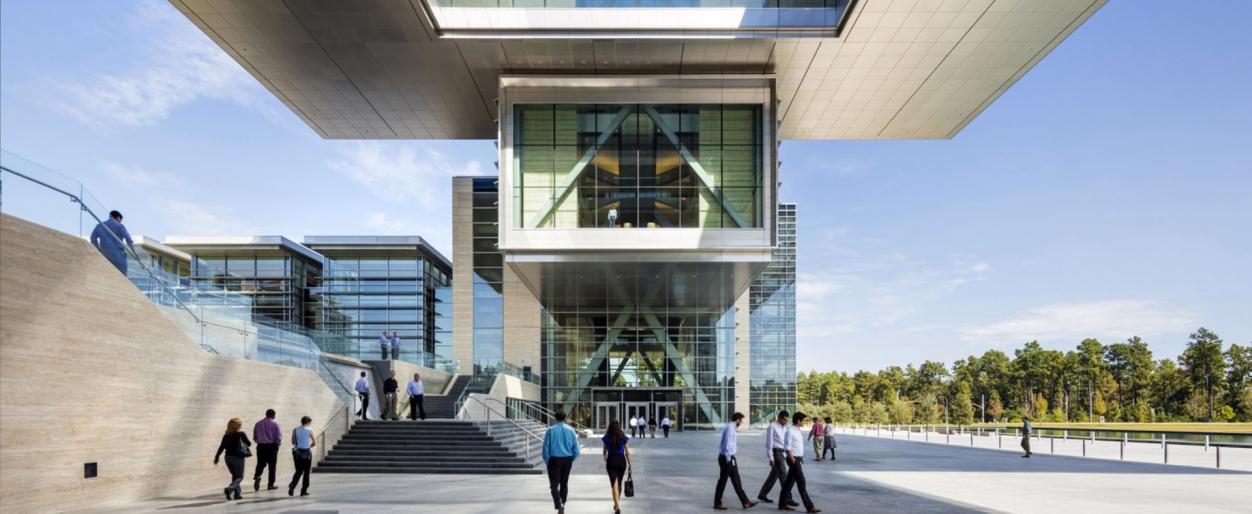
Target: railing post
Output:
[(1206, 443), (1121, 455), (1051, 445), (1084, 447), (1065, 435), (1166, 446), (488, 411), (999, 440), (971, 439), (1219, 457), (1162, 441)]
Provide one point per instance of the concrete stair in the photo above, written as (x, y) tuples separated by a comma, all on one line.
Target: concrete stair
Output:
[(434, 446), (440, 406)]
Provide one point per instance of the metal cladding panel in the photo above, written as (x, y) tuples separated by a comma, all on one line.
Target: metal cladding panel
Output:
[(379, 69)]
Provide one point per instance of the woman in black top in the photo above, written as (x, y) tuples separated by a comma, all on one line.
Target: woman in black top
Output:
[(616, 460), (237, 447)]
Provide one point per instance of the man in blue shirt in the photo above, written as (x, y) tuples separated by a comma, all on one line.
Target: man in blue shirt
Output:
[(729, 466), (395, 345), (560, 449), (107, 238), (1026, 429), (363, 390)]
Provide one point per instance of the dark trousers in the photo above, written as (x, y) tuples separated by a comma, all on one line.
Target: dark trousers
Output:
[(829, 446), (795, 477), (634, 431), (365, 406), (395, 353), (729, 470), (776, 473), (416, 406), (1026, 444), (303, 460), (235, 464), (665, 429), (558, 479), (266, 455)]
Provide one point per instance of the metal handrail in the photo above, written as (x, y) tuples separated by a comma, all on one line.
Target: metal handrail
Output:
[(546, 411), (322, 433), (128, 248), (514, 423)]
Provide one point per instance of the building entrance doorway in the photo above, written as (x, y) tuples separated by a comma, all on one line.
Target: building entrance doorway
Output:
[(636, 410), (605, 413)]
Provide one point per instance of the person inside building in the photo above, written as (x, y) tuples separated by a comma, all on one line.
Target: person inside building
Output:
[(776, 454), (237, 447), (417, 394), (395, 345), (818, 435), (829, 444), (302, 454), (363, 390), (560, 450), (793, 440), (268, 436), (616, 460), (390, 398), (665, 422), (108, 236), (728, 466)]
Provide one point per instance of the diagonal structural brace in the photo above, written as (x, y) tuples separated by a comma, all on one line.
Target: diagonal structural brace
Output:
[(699, 170), (567, 184)]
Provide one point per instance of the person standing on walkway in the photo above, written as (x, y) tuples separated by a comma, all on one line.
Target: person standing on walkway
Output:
[(268, 436), (642, 423), (390, 398), (560, 450), (237, 447), (108, 236), (818, 434), (793, 439), (302, 455), (363, 390), (417, 393), (652, 426), (1026, 429), (829, 445), (395, 345), (665, 425), (634, 431), (728, 466), (616, 460), (776, 452), (384, 346)]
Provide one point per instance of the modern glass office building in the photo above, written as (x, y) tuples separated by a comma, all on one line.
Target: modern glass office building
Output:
[(619, 251)]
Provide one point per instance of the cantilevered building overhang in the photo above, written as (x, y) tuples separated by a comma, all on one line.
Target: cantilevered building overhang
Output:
[(430, 69)]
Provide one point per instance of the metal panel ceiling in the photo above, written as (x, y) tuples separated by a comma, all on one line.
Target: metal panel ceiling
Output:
[(375, 69)]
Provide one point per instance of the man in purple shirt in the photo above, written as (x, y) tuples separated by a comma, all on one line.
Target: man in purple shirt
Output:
[(268, 437)]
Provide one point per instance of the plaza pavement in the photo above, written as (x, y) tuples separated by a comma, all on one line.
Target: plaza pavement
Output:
[(870, 475)]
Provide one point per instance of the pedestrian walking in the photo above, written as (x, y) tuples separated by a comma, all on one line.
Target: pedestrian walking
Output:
[(1026, 429), (818, 435), (237, 447), (108, 237), (665, 422), (417, 394), (616, 460), (363, 390), (384, 346), (793, 439), (727, 465), (390, 398), (395, 345), (642, 424), (268, 436), (302, 455), (560, 450), (776, 452), (634, 430), (652, 426), (829, 444)]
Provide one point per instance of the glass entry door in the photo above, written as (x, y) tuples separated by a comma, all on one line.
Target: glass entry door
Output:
[(669, 409), (605, 412), (636, 410)]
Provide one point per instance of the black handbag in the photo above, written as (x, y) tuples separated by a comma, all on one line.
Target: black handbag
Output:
[(629, 487), (244, 449)]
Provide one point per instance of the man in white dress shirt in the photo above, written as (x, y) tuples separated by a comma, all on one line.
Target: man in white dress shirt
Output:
[(363, 390), (793, 439), (417, 392), (776, 452)]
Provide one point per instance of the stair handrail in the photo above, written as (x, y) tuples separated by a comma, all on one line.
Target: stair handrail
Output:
[(506, 418), (127, 248), (532, 405), (322, 433)]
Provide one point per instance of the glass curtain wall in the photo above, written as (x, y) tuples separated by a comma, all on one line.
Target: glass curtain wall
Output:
[(488, 287), (638, 166), (772, 343), (278, 284), (363, 296), (443, 323)]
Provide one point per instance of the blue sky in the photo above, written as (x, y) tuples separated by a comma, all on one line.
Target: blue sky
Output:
[(1107, 194)]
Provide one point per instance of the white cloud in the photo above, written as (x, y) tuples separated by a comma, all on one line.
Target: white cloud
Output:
[(402, 172), (182, 67), (981, 267), (1071, 322), (195, 219), (841, 167), (131, 175)]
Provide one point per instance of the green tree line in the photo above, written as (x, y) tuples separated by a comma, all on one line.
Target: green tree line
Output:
[(1094, 381)]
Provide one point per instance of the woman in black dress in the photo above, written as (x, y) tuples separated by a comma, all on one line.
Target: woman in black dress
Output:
[(237, 447), (616, 460)]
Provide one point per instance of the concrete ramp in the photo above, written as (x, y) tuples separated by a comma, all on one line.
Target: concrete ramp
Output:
[(91, 372)]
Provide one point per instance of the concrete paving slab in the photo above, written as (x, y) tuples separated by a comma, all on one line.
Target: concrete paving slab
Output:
[(871, 475)]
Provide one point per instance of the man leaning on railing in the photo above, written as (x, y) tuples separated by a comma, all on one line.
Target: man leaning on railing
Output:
[(107, 238)]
